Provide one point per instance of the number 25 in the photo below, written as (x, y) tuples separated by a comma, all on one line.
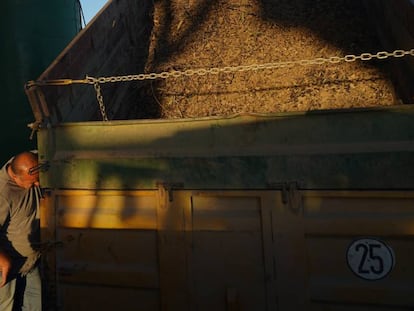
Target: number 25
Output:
[(368, 255)]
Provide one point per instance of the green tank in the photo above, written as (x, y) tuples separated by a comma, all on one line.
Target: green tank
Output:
[(33, 33)]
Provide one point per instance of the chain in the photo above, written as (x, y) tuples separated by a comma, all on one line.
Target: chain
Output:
[(255, 67), (217, 70), (99, 98)]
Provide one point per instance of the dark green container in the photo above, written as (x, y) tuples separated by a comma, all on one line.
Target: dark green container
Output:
[(33, 33)]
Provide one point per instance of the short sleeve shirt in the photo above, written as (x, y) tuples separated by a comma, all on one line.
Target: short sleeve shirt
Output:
[(19, 218)]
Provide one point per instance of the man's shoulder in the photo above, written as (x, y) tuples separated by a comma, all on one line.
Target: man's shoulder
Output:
[(4, 178), (5, 187)]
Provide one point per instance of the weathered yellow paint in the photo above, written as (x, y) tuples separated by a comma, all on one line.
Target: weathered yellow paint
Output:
[(215, 249), (102, 210), (353, 149)]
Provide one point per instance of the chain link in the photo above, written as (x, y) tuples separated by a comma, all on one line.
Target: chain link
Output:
[(255, 67), (217, 70), (99, 98)]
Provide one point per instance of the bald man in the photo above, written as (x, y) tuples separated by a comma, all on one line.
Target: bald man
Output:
[(20, 283)]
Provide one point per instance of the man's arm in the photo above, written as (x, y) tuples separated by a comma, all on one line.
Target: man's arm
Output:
[(5, 262), (5, 265)]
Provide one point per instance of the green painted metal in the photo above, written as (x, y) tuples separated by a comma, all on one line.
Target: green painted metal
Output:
[(33, 33), (342, 149)]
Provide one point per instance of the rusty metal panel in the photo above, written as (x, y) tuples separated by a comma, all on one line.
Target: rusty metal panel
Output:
[(395, 27), (227, 260), (211, 248), (115, 43), (285, 249), (107, 210), (356, 149), (333, 221), (87, 298), (290, 254), (226, 212), (173, 221), (103, 242)]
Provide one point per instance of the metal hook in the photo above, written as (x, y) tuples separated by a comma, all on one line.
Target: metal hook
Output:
[(43, 166)]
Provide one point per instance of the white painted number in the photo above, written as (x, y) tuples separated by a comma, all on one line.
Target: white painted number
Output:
[(370, 259)]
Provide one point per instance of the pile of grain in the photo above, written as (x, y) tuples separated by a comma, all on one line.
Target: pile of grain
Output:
[(191, 34)]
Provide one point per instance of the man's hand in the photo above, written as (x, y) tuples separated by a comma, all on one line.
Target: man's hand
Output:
[(5, 264)]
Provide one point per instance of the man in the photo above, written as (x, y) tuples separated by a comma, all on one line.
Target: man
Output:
[(20, 283)]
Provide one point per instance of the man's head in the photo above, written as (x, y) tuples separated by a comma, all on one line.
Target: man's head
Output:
[(19, 170)]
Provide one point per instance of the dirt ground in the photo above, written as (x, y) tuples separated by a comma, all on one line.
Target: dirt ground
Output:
[(191, 34)]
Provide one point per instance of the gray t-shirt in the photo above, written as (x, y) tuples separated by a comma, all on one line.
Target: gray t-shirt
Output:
[(19, 222)]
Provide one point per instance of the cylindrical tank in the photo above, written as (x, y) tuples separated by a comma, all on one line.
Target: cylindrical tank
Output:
[(33, 33)]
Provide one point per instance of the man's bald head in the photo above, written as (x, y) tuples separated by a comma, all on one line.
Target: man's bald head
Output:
[(20, 169)]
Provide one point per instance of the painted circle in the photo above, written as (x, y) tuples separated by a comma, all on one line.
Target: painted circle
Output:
[(370, 259)]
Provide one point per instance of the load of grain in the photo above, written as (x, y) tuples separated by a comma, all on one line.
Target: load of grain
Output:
[(193, 34)]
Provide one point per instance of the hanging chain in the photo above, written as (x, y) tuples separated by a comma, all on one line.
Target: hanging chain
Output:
[(99, 98), (217, 70)]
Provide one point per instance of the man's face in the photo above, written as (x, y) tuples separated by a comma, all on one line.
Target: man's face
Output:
[(27, 180)]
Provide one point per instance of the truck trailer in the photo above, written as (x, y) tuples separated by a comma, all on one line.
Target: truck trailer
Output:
[(304, 209)]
